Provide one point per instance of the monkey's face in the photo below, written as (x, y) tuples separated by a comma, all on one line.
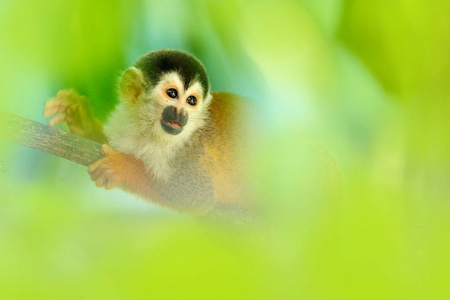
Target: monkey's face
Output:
[(181, 107), (168, 106)]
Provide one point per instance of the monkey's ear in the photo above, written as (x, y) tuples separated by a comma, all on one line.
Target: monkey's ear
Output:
[(132, 84)]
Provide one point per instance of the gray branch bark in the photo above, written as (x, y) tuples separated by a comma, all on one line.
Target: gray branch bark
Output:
[(52, 140)]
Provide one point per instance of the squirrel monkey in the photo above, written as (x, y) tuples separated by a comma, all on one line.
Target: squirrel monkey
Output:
[(169, 140)]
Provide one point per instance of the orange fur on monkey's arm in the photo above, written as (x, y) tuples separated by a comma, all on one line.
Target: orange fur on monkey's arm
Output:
[(119, 170)]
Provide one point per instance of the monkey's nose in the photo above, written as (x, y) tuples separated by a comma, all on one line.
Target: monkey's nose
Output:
[(179, 111)]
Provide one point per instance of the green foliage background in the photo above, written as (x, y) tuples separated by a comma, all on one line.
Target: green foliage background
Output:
[(368, 79)]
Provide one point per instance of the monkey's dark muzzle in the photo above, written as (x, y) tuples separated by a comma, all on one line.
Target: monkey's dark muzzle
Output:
[(173, 120)]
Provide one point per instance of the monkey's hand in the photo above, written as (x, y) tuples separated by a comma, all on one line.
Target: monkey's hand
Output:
[(119, 170), (74, 109)]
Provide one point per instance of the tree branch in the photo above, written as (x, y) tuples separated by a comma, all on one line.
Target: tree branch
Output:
[(52, 140)]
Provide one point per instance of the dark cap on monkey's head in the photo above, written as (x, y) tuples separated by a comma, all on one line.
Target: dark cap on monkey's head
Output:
[(157, 63)]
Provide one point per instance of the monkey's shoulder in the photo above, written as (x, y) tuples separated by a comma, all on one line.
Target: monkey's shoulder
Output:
[(226, 113), (226, 104), (221, 140)]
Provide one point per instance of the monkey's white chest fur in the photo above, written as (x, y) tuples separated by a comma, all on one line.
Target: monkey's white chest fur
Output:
[(137, 136)]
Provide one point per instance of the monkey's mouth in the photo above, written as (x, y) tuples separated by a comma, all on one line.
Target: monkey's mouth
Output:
[(171, 127), (174, 124)]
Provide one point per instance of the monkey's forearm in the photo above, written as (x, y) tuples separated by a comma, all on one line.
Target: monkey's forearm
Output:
[(96, 133), (129, 173)]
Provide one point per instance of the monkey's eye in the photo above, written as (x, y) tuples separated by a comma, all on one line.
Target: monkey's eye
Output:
[(172, 93), (191, 100)]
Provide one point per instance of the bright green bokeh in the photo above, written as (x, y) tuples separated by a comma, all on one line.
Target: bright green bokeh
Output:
[(368, 218)]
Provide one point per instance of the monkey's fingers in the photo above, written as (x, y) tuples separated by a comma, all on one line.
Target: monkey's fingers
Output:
[(107, 150), (94, 166), (98, 172), (109, 185), (55, 105), (66, 101), (57, 120), (102, 180), (104, 177)]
